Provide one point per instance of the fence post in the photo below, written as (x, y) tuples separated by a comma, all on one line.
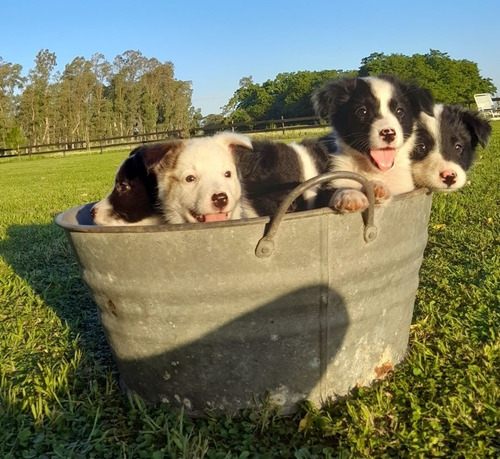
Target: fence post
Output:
[(232, 126), (282, 125)]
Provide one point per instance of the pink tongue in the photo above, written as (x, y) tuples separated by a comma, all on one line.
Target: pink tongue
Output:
[(219, 217), (384, 158)]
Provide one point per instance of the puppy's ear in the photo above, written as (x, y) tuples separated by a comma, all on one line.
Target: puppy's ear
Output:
[(421, 100), (151, 155), (230, 139), (479, 128), (326, 99)]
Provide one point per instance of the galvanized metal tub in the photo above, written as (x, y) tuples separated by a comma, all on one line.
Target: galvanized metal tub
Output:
[(223, 316)]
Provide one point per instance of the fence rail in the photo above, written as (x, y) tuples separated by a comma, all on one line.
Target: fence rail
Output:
[(254, 127)]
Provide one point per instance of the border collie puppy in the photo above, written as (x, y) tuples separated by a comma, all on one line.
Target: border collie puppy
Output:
[(445, 147), (270, 170), (198, 180), (373, 120), (134, 197)]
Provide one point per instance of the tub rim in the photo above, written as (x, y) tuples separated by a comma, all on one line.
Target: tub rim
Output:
[(62, 219)]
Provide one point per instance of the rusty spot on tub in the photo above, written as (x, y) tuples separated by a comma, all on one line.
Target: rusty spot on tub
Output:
[(112, 308), (383, 370)]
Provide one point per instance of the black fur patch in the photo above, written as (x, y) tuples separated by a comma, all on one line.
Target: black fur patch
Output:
[(135, 194), (271, 170), (424, 143)]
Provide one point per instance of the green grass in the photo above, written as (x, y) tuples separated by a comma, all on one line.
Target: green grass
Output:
[(58, 391)]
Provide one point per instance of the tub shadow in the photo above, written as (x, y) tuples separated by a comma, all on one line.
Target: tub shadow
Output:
[(41, 255), (278, 352)]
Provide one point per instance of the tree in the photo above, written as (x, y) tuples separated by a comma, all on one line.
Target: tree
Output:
[(450, 81), (124, 92), (166, 102), (14, 138), (36, 109), (250, 101), (75, 96), (101, 107), (10, 80), (288, 95)]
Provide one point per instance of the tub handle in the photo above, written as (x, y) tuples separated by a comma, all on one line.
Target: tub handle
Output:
[(265, 247)]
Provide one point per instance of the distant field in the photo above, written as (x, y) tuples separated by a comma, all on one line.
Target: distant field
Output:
[(58, 391)]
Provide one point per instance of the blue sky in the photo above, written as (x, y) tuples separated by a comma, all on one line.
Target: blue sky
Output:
[(214, 43)]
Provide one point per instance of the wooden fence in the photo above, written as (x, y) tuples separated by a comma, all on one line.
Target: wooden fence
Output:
[(130, 141)]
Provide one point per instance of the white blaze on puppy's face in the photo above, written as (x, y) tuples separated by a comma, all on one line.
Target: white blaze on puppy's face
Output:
[(386, 135)]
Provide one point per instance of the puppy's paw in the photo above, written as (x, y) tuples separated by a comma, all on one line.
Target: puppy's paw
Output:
[(382, 193), (348, 200)]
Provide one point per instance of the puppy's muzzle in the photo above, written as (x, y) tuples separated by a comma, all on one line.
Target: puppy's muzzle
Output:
[(220, 200)]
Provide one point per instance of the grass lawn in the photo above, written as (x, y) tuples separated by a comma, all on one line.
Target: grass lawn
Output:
[(59, 395)]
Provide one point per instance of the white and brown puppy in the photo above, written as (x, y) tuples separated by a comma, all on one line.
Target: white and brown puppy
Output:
[(134, 197), (445, 147), (373, 121), (198, 180)]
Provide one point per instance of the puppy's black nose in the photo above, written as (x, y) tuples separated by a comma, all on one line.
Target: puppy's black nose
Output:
[(448, 177), (388, 135), (219, 200)]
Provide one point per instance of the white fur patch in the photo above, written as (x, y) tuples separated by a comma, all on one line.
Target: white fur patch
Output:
[(398, 179), (309, 170), (104, 216)]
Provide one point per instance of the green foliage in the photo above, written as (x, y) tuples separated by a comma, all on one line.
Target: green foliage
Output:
[(92, 99), (451, 81), (10, 80), (288, 95), (59, 395), (14, 138)]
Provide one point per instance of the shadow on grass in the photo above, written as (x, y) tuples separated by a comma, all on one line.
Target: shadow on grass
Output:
[(284, 345), (40, 254)]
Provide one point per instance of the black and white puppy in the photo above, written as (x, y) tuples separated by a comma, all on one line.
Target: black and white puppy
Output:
[(445, 147), (373, 120), (270, 170), (134, 197)]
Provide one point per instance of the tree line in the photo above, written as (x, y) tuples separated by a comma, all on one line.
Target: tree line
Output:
[(289, 94), (93, 99)]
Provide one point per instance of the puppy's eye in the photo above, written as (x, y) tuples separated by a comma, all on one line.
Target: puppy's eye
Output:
[(421, 148), (227, 174), (458, 148), (190, 178), (123, 186), (361, 112), (400, 111)]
